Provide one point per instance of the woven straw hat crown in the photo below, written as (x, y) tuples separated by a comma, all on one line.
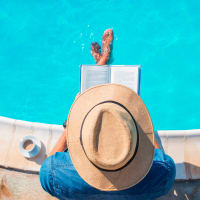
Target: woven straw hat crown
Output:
[(109, 136)]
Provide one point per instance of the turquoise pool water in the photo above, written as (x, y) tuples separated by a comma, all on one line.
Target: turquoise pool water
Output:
[(42, 44)]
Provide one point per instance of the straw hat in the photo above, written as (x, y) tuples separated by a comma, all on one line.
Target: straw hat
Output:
[(110, 137)]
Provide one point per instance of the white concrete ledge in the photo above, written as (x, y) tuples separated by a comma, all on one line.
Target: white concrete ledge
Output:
[(11, 131), (182, 145), (179, 133)]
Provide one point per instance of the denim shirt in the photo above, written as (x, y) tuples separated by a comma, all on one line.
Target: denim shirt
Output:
[(59, 178)]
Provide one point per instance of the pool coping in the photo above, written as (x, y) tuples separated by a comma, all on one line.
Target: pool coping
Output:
[(181, 145)]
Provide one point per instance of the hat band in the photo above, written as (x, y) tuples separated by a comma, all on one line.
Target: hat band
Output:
[(137, 140)]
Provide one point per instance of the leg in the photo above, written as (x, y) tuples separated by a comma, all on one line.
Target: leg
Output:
[(106, 43), (96, 51)]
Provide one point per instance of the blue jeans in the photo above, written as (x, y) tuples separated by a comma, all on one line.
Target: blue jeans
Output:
[(59, 178)]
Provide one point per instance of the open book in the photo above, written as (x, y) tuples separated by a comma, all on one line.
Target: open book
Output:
[(128, 75)]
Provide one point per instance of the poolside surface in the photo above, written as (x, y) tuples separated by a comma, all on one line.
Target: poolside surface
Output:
[(42, 45)]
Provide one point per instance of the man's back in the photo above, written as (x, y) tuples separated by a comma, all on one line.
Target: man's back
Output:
[(59, 177)]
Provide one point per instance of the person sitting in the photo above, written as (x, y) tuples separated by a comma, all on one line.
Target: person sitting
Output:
[(108, 149)]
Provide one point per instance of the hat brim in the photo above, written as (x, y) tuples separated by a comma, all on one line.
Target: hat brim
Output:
[(139, 166)]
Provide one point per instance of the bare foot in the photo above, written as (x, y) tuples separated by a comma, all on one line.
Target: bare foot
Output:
[(96, 51), (106, 42)]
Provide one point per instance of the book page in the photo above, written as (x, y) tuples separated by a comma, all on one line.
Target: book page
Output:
[(92, 75), (126, 75)]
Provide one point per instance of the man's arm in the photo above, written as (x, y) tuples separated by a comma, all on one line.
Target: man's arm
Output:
[(157, 146), (61, 145)]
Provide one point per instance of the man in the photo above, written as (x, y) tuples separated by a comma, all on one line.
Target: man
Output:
[(111, 142)]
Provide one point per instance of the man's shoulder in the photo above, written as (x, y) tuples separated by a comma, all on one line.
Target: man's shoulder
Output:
[(160, 177), (162, 164), (160, 157), (163, 171)]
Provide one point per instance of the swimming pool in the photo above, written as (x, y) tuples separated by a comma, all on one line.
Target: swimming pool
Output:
[(42, 45)]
